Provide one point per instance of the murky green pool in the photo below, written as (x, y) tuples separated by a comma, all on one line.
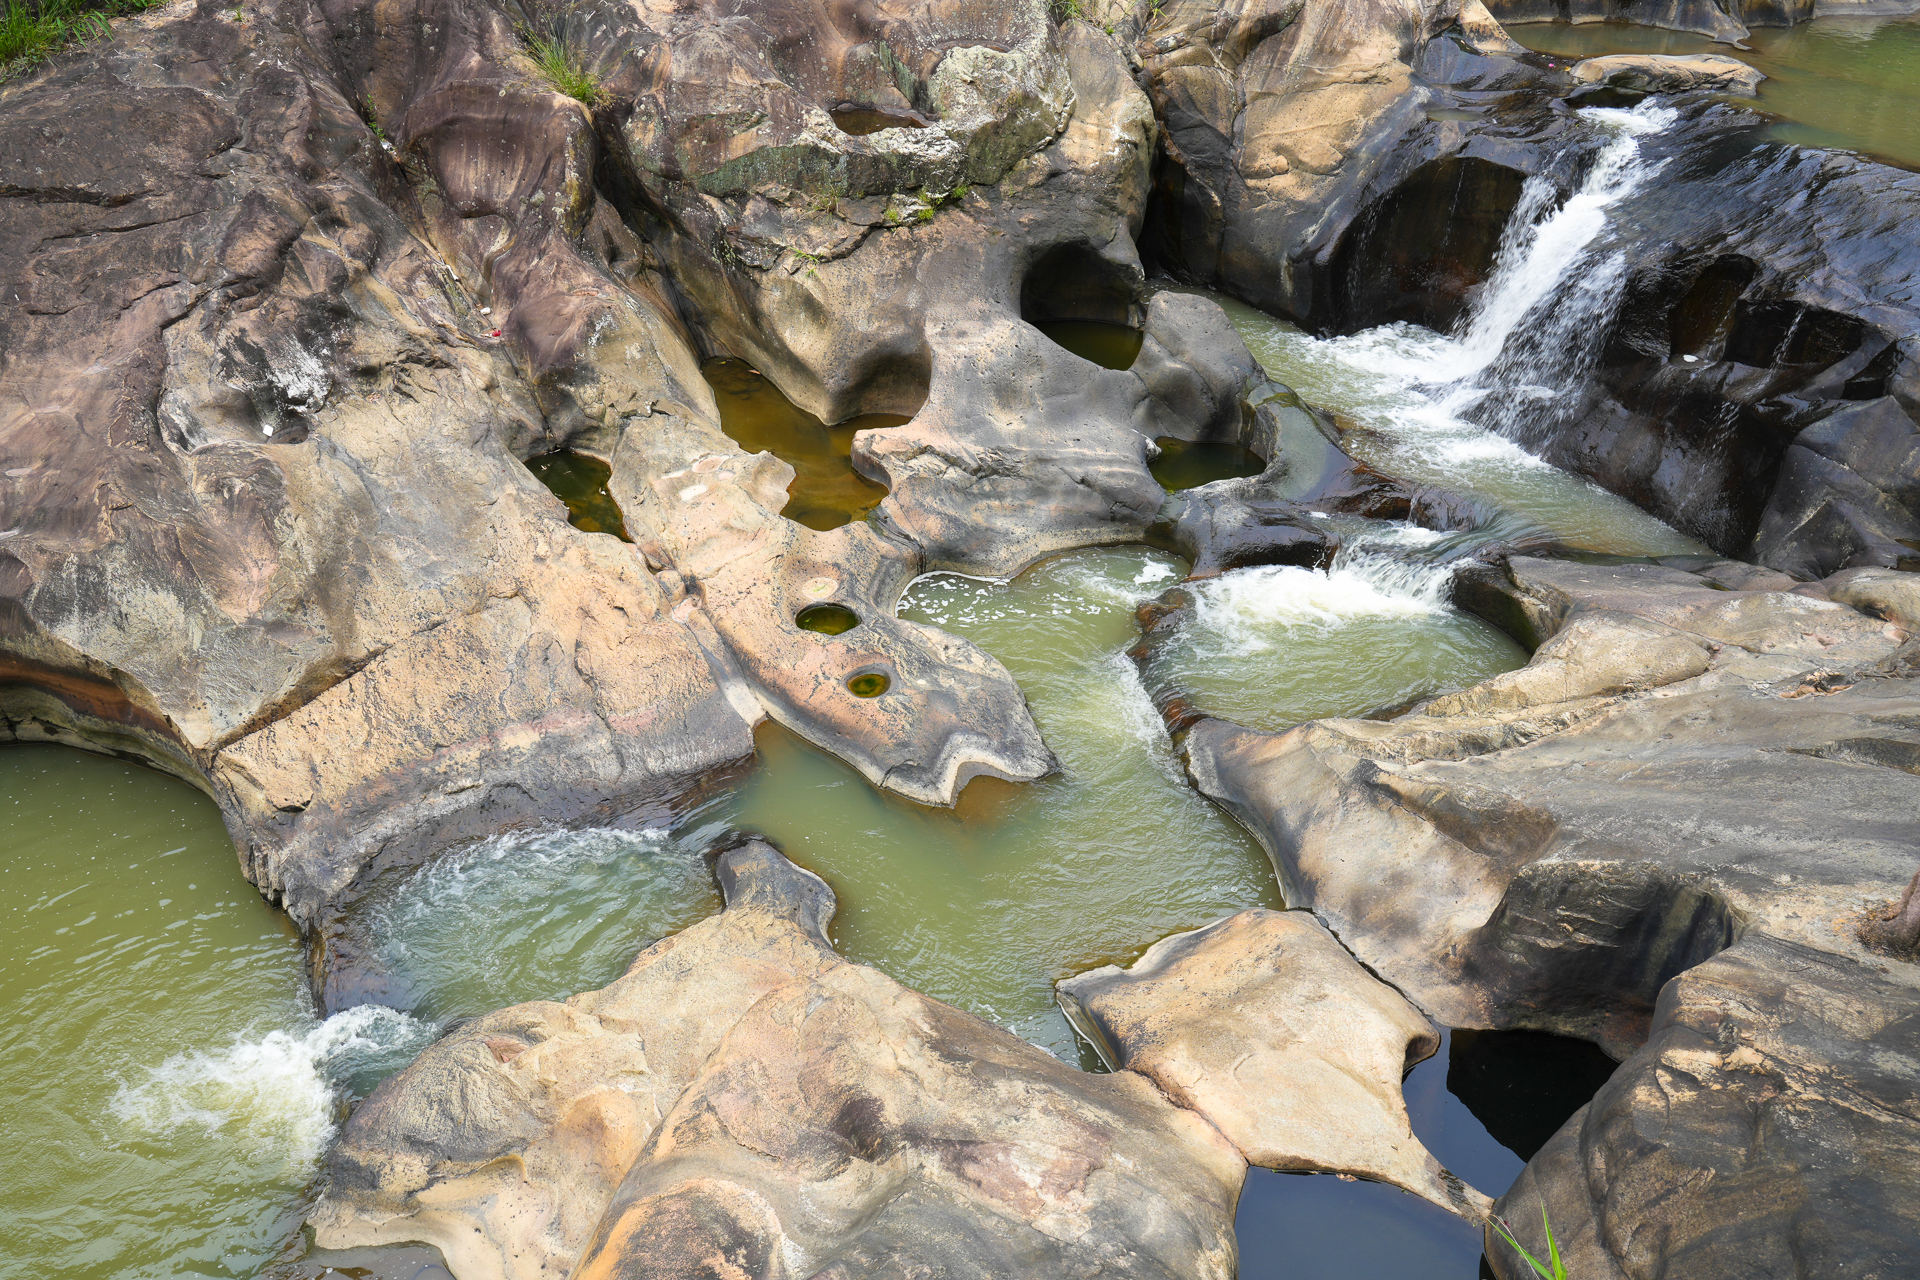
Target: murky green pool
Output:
[(1851, 83), (168, 1089)]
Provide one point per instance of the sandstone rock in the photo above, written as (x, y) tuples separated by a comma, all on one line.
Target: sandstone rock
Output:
[(1664, 73), (271, 377), (744, 1098), (1264, 1025), (1552, 865), (1766, 1128), (1724, 20)]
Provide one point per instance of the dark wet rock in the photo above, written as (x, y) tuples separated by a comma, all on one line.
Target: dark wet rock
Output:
[(743, 1097), (1265, 1025), (1278, 516), (1767, 1128), (1548, 849), (1288, 126), (1757, 389)]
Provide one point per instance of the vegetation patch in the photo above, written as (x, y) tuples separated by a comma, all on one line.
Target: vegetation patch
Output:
[(31, 31), (563, 68)]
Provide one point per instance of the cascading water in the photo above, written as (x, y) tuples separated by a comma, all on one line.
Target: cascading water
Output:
[(1454, 410)]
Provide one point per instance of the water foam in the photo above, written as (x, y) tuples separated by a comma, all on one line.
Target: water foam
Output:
[(274, 1094)]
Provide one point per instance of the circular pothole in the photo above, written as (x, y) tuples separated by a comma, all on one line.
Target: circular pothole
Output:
[(868, 684), (827, 619)]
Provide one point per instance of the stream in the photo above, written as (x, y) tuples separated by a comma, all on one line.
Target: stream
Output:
[(174, 1088)]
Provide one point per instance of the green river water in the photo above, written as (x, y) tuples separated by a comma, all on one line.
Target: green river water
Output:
[(173, 1087), (1849, 83)]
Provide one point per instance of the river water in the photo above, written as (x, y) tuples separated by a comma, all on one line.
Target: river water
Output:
[(173, 1086), (1848, 83)]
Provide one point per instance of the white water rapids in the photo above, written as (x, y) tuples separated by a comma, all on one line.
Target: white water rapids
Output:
[(1452, 410)]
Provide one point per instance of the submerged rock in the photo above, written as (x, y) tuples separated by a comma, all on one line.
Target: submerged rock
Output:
[(1263, 1024), (744, 1101)]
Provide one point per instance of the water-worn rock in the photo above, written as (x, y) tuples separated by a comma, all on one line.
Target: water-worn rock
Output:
[(744, 1101), (1724, 20), (1285, 121), (1548, 849), (1263, 1024), (289, 298), (1767, 1128), (1668, 73)]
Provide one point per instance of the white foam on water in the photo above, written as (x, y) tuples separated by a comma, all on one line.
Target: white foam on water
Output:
[(273, 1094), (1531, 338), (527, 859)]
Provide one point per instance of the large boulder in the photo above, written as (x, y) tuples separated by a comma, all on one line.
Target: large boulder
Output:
[(744, 1101), (1767, 1128), (1265, 1025), (1683, 765)]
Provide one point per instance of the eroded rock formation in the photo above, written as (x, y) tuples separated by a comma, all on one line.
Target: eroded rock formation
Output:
[(745, 1102), (291, 297), (1265, 1025)]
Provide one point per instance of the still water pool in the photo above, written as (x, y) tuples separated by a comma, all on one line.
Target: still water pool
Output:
[(1849, 83)]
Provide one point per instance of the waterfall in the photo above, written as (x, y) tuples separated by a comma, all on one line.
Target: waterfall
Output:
[(1527, 349)]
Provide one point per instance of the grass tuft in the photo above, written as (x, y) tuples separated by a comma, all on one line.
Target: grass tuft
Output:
[(31, 31), (561, 67), (1553, 1268)]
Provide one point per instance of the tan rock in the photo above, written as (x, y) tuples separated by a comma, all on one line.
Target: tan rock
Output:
[(1263, 1024), (1670, 73)]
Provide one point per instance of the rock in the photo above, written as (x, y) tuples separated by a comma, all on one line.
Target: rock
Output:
[(1285, 123), (744, 1097), (1668, 73), (1264, 1025), (272, 376), (1766, 1128), (1552, 864), (1848, 493)]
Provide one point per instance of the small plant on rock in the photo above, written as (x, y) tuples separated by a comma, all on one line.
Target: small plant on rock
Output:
[(1553, 1268), (563, 68)]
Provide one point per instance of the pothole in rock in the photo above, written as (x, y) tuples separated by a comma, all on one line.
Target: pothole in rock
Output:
[(1111, 346), (1085, 303), (1483, 1105), (859, 119), (580, 481), (1186, 464), (827, 619), (826, 491)]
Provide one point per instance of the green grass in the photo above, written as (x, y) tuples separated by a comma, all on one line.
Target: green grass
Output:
[(560, 67), (1553, 1268), (31, 31)]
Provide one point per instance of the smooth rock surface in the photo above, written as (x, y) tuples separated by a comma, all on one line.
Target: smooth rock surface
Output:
[(1263, 1024), (1508, 861), (744, 1101), (1666, 73)]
